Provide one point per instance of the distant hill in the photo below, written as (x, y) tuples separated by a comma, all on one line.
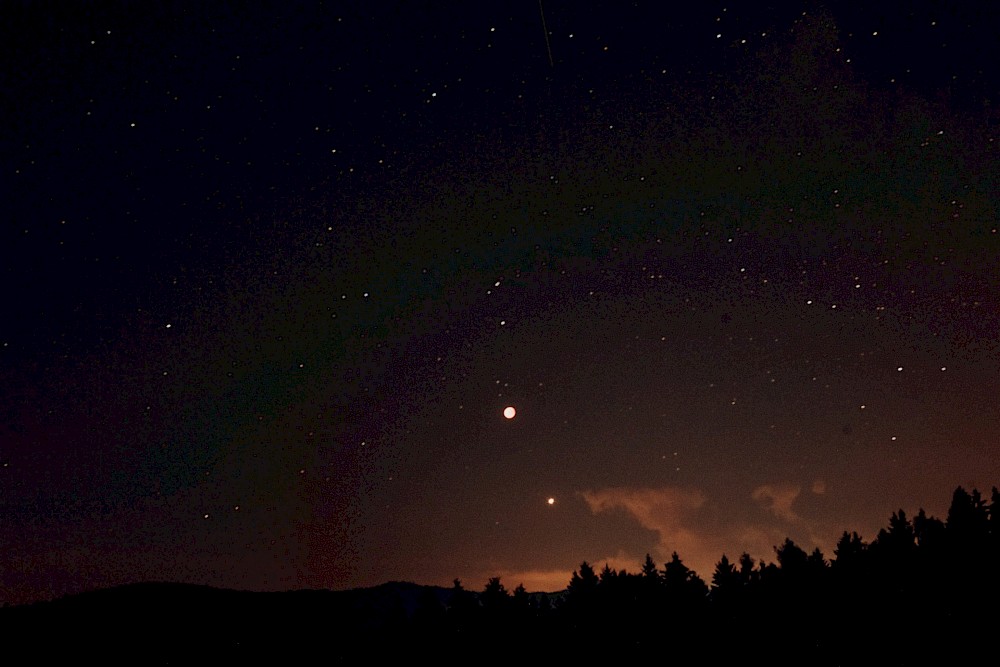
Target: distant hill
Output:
[(170, 623), (922, 588)]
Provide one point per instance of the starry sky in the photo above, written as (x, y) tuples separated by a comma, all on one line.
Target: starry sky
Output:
[(273, 271)]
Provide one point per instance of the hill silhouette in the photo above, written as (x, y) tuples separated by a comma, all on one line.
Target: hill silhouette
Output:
[(921, 589)]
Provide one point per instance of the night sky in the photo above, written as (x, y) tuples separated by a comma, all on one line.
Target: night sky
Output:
[(273, 271)]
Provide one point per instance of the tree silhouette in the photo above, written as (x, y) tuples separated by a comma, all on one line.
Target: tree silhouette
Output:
[(463, 607), (495, 598), (850, 551), (682, 585), (793, 561), (525, 614), (497, 613), (929, 532), (994, 511), (994, 526), (521, 599), (748, 575), (649, 569), (583, 583), (894, 547), (968, 524), (581, 604), (607, 576), (725, 575), (727, 587)]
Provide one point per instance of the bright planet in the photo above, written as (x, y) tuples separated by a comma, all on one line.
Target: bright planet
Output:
[(509, 412)]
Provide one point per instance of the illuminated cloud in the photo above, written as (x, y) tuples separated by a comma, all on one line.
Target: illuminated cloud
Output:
[(668, 511), (778, 499), (699, 528), (663, 510)]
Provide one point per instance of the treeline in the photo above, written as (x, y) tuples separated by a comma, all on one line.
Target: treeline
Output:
[(922, 591), (923, 587)]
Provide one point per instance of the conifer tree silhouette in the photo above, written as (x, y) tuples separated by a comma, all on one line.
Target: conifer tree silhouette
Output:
[(583, 583), (725, 579), (793, 561), (521, 600), (649, 569), (495, 598), (682, 585), (929, 532), (463, 608), (748, 575), (968, 524)]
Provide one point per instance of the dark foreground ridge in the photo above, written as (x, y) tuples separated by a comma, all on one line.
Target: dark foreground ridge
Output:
[(922, 591)]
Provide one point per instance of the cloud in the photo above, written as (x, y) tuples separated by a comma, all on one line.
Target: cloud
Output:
[(778, 499), (668, 511), (663, 510), (700, 529)]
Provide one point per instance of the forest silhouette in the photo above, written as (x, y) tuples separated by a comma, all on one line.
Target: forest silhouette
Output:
[(923, 590)]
